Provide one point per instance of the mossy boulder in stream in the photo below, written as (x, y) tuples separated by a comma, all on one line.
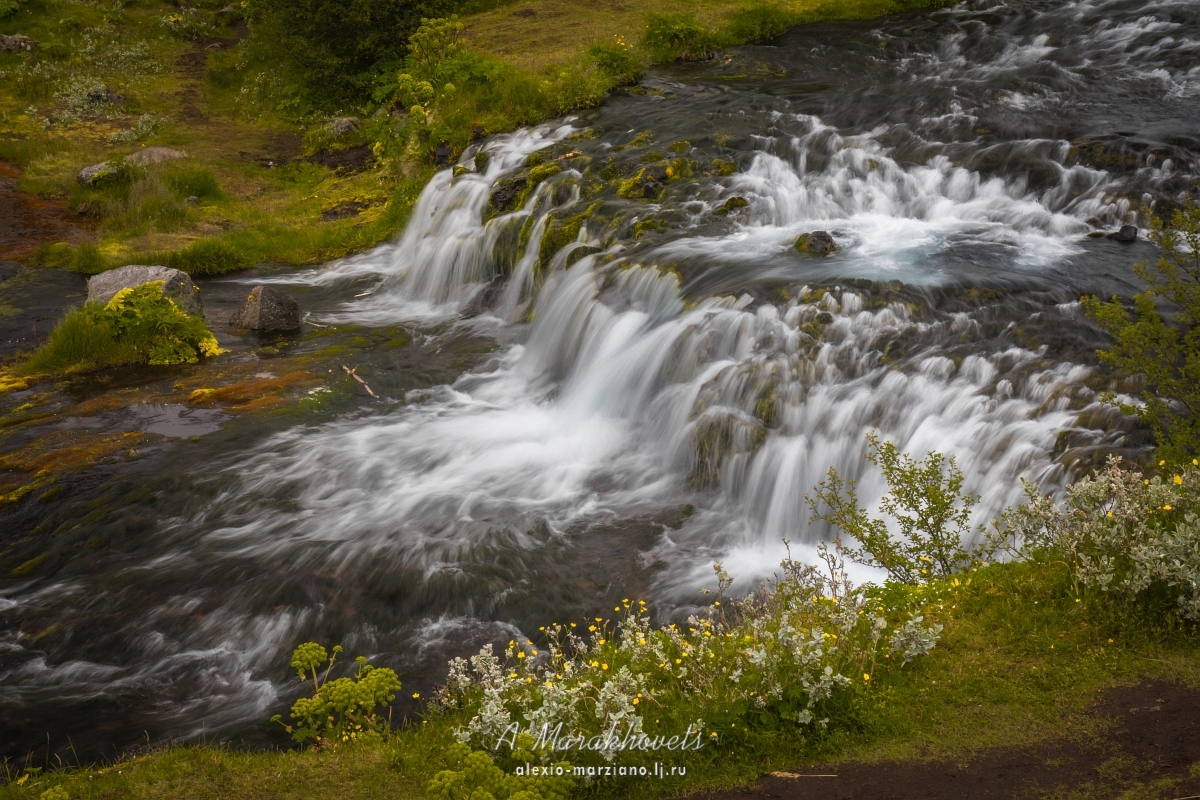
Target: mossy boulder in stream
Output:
[(818, 243), (138, 325)]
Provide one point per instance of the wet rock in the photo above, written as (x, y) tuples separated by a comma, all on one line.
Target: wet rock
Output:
[(177, 285), (731, 205), (818, 243), (1127, 234), (647, 184), (482, 160), (153, 155), (8, 270), (504, 197), (267, 309), (343, 126), (17, 43), (824, 318), (442, 154)]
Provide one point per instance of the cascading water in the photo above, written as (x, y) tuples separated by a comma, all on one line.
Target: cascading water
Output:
[(656, 343)]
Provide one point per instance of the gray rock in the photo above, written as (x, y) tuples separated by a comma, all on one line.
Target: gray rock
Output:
[(341, 126), (177, 285), (1127, 234), (192, 200), (818, 243), (267, 309), (17, 43), (153, 155), (96, 172), (8, 270)]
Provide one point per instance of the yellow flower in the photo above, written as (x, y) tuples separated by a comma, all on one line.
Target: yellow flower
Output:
[(1166, 508), (635, 701), (1195, 463), (416, 695), (1110, 513), (521, 654), (1178, 479), (1162, 463), (866, 676), (604, 666)]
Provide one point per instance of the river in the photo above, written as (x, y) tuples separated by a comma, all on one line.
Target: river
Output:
[(661, 391)]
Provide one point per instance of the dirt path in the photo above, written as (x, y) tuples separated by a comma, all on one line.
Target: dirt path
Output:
[(1154, 738)]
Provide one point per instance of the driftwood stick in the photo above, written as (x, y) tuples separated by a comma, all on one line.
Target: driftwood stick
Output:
[(353, 374)]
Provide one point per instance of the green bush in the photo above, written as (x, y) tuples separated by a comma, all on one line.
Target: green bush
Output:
[(85, 258), (759, 22), (203, 257), (473, 774), (336, 47), (137, 326), (341, 710), (618, 59), (678, 37), (9, 8), (1120, 533), (1163, 349), (926, 501)]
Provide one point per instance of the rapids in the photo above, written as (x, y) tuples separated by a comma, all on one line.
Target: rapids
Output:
[(666, 377)]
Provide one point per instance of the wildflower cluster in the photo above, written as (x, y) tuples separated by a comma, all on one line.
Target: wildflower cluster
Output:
[(144, 126), (1121, 532), (341, 710), (775, 657), (187, 23)]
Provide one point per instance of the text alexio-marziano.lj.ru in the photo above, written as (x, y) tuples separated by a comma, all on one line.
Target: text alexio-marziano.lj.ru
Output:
[(609, 744)]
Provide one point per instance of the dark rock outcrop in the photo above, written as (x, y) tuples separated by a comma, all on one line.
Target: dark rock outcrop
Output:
[(1127, 234), (267, 309), (817, 243), (177, 285), (17, 43)]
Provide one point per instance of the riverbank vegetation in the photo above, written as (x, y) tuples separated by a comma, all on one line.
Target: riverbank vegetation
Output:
[(299, 128), (808, 669)]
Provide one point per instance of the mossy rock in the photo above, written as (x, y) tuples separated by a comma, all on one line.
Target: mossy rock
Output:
[(723, 166), (818, 243), (680, 168), (679, 148), (731, 205), (649, 226), (646, 184)]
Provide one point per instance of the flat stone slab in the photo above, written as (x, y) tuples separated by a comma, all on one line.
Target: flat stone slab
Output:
[(17, 43), (153, 155), (177, 285)]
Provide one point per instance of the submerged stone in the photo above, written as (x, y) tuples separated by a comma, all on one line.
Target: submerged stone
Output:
[(267, 309), (177, 285)]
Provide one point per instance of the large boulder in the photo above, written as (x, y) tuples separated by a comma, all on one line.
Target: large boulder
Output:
[(343, 126), (145, 157), (818, 243), (1127, 234), (177, 285), (267, 309), (17, 43)]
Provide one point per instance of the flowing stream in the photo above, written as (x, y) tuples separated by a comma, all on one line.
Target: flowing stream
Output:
[(663, 376)]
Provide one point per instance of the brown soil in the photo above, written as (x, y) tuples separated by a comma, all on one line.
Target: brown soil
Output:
[(27, 222), (1152, 736)]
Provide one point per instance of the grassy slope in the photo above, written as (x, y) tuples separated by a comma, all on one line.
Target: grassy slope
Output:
[(1019, 663), (209, 98)]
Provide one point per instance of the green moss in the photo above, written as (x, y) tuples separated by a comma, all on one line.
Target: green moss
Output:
[(560, 233), (680, 168), (679, 148), (648, 226), (541, 172), (138, 326), (653, 157), (732, 204), (30, 565), (723, 166)]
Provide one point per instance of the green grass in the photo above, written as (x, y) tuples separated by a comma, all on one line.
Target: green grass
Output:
[(1019, 662)]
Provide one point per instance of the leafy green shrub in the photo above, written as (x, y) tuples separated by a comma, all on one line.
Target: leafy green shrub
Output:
[(1121, 533), (138, 326), (337, 47), (344, 709), (473, 774), (9, 8), (1164, 350), (187, 23), (193, 181), (678, 37), (781, 658), (618, 59), (927, 503)]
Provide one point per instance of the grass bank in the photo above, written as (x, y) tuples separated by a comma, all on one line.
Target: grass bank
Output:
[(1019, 661), (266, 178)]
